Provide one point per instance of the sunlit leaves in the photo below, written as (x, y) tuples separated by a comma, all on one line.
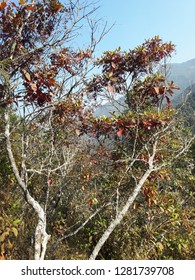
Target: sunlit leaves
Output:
[(16, 222)]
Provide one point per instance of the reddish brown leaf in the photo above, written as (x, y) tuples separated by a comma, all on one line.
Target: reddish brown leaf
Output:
[(113, 65), (52, 81), (58, 6), (120, 132), (13, 4), (79, 58), (168, 100), (50, 182), (175, 87), (2, 5), (89, 202)]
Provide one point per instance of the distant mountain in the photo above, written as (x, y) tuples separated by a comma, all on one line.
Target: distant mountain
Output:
[(116, 106), (188, 108), (183, 75)]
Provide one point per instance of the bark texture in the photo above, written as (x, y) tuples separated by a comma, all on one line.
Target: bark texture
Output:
[(41, 237)]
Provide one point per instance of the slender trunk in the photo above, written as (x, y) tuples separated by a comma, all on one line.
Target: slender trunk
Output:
[(41, 236), (120, 215)]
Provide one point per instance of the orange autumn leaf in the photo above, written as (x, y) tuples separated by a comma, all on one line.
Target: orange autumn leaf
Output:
[(120, 132), (2, 5), (2, 257), (57, 6)]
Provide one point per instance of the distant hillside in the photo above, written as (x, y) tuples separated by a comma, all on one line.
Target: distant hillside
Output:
[(188, 108), (183, 75)]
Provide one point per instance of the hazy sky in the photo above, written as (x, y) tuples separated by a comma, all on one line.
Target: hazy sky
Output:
[(137, 20)]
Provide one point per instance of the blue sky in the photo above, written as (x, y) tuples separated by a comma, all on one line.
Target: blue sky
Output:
[(137, 20)]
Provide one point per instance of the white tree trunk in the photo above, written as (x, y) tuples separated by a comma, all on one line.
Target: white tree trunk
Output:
[(120, 215), (41, 237)]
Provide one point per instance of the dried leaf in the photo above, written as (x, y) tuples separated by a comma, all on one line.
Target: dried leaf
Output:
[(3, 249), (156, 90), (3, 236), (27, 75), (15, 231), (2, 257), (10, 245), (33, 86), (78, 132), (160, 246)]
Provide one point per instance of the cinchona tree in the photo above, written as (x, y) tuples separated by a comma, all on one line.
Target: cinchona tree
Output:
[(146, 137), (43, 63)]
